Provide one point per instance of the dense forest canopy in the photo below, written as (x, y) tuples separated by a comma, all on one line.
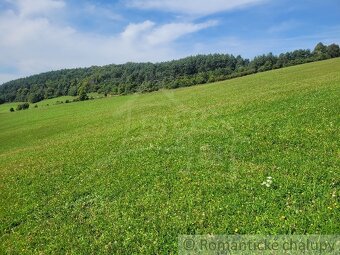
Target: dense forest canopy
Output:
[(144, 77)]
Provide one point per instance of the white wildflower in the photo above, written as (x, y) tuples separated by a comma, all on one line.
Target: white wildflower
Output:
[(268, 182)]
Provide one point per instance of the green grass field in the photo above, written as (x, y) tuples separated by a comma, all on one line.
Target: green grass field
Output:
[(128, 174)]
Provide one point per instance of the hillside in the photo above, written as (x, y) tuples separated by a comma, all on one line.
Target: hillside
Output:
[(146, 77), (128, 174)]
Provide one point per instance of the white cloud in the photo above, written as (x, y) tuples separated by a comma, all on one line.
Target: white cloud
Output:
[(192, 7), (172, 31), (132, 31), (150, 34)]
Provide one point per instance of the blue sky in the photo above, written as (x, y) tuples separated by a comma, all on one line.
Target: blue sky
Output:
[(44, 35)]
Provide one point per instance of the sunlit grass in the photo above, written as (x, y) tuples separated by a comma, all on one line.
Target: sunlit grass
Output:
[(129, 174)]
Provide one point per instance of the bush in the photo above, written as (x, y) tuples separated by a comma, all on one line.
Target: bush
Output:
[(12, 109), (36, 106), (67, 101), (23, 106), (82, 95)]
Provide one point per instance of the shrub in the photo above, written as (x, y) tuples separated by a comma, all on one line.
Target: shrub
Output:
[(12, 109), (82, 95), (36, 106), (67, 101), (23, 106)]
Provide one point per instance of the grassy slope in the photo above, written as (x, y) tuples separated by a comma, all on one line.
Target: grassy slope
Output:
[(128, 174), (45, 103)]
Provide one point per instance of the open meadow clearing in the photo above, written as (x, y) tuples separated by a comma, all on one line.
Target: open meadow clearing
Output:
[(126, 175)]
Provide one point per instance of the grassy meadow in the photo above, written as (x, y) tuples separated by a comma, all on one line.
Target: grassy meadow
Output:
[(128, 174)]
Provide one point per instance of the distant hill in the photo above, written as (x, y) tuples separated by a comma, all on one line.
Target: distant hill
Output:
[(145, 77)]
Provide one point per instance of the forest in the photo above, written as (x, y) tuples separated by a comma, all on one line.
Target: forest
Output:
[(145, 77)]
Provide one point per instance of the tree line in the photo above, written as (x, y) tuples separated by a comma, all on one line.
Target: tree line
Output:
[(145, 77)]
